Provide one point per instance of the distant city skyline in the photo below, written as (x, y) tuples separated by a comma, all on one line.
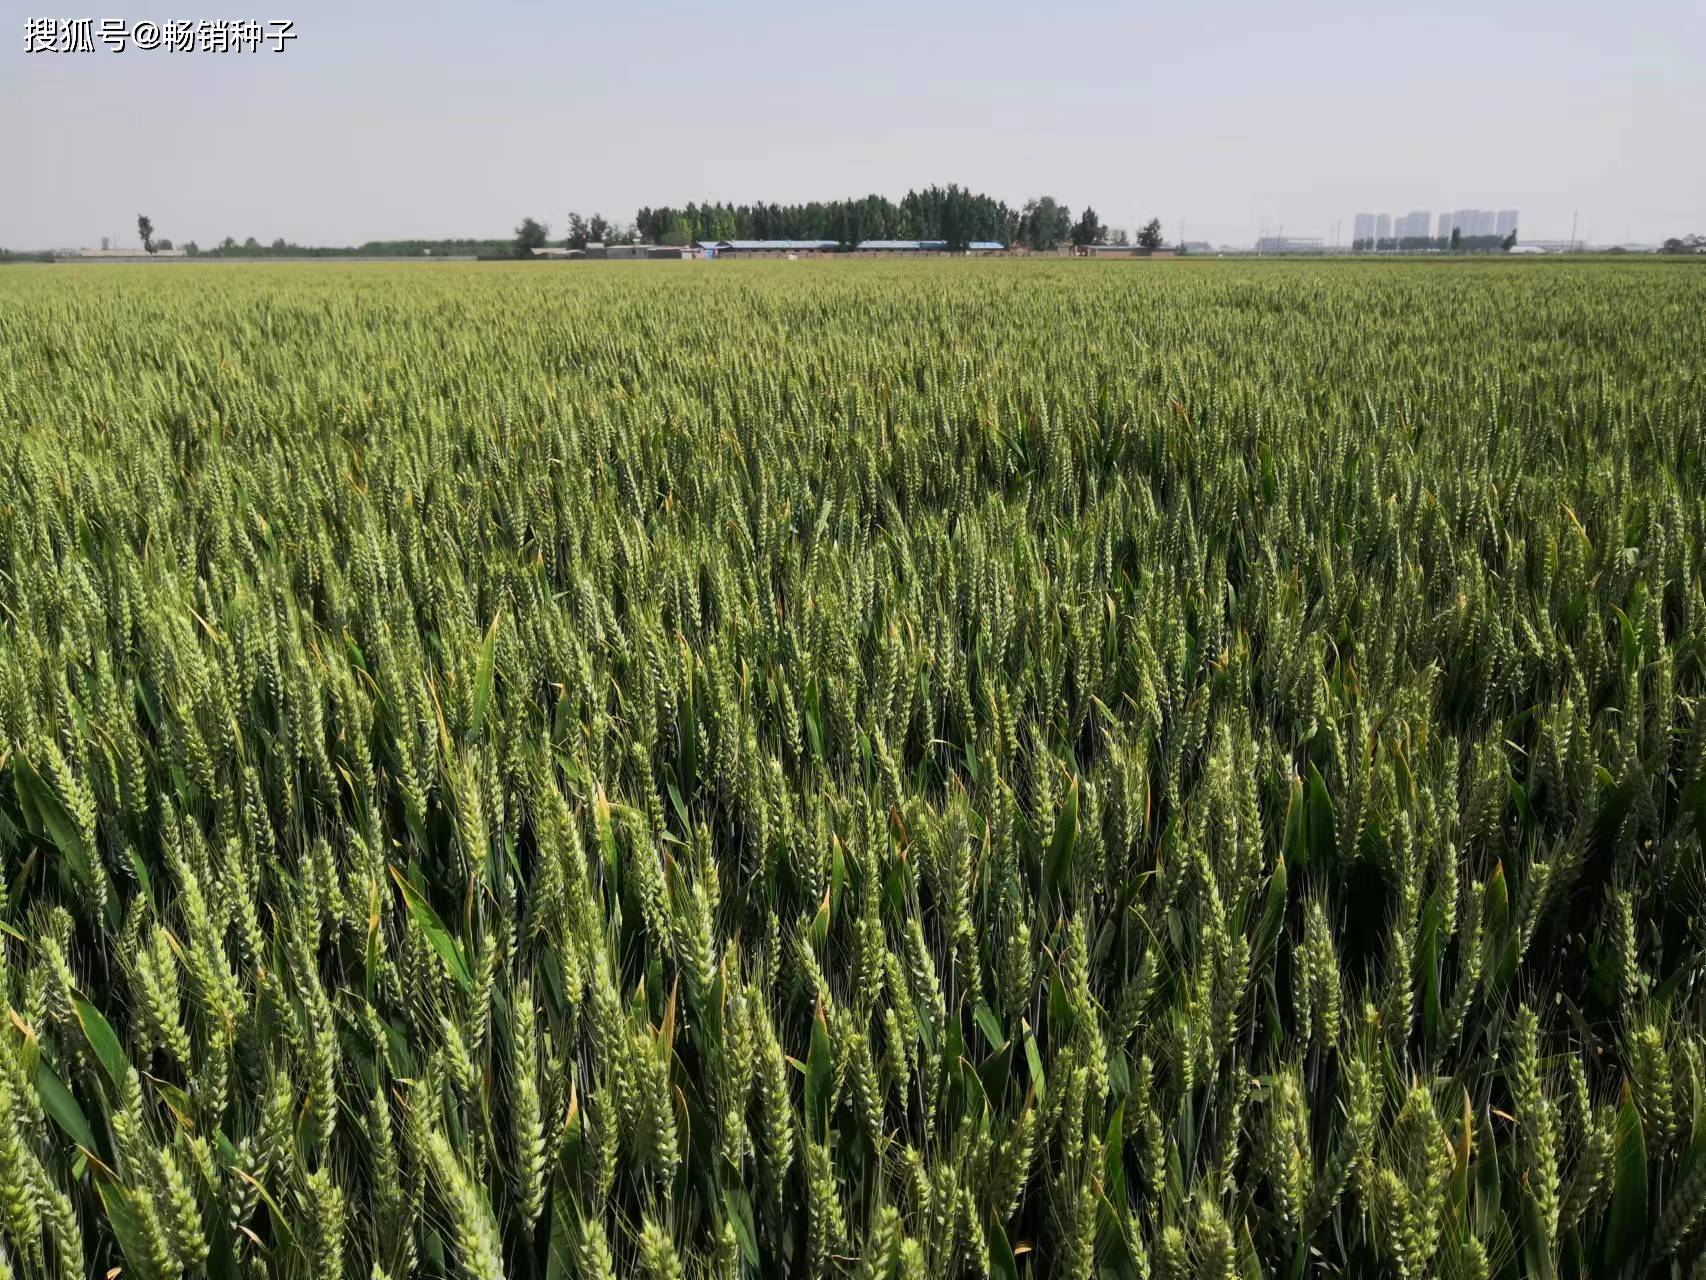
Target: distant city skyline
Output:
[(391, 121), (1418, 225)]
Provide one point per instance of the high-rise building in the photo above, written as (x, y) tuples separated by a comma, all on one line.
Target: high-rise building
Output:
[(1462, 221), (1413, 225), (1373, 229)]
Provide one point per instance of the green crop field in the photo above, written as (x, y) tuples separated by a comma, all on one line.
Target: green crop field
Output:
[(1173, 769)]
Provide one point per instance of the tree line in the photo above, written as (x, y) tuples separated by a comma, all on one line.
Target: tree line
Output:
[(231, 247), (1456, 242), (952, 214), (281, 248)]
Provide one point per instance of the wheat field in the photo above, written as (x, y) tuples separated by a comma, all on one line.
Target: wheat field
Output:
[(1191, 770)]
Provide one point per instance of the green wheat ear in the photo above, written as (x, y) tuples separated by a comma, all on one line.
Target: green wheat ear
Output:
[(856, 769)]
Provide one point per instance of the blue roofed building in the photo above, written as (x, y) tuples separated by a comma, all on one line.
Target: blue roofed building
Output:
[(925, 246), (796, 248), (767, 248)]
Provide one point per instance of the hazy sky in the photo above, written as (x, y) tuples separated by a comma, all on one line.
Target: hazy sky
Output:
[(385, 119)]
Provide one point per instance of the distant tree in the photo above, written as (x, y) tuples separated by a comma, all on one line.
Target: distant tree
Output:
[(251, 245), (597, 229), (679, 232), (162, 246), (145, 232), (1087, 230), (191, 248), (1509, 242), (530, 235), (577, 236), (1684, 244), (279, 246), (1119, 236), (1456, 238), (1150, 236), (951, 214), (1046, 222)]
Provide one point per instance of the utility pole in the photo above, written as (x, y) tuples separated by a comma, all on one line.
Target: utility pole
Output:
[(1573, 246)]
